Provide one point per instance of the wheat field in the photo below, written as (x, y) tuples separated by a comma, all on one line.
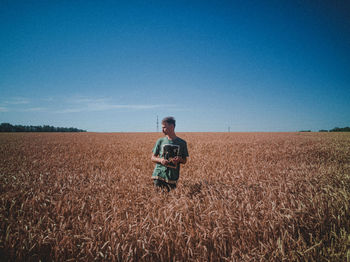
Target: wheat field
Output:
[(240, 197)]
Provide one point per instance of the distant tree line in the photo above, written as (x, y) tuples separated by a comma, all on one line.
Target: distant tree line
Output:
[(337, 129), (6, 127)]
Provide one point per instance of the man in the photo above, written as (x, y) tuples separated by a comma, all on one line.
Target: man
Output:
[(168, 153)]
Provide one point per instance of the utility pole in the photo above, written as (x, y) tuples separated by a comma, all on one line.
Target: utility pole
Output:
[(229, 129), (157, 125)]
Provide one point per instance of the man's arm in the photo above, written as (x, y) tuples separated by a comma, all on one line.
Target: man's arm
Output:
[(164, 162), (179, 160), (159, 160)]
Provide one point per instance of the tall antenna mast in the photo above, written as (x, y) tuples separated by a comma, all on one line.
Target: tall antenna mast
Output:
[(157, 125)]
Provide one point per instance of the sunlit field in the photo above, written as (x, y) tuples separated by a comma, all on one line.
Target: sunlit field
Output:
[(240, 197)]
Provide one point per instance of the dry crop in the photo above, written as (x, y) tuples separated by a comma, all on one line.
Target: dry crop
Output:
[(241, 197)]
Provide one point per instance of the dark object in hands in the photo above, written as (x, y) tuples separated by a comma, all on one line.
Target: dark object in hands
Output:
[(170, 152)]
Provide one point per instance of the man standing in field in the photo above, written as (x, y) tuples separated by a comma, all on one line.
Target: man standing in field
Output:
[(168, 153)]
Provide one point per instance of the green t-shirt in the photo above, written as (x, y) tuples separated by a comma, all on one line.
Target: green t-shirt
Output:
[(166, 148)]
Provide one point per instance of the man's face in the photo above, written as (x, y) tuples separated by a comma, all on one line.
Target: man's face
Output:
[(166, 128)]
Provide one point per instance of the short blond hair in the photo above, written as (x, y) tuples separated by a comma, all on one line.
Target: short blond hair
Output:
[(170, 120)]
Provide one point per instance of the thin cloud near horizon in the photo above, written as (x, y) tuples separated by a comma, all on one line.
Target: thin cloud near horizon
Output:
[(16, 101), (86, 104), (72, 105), (106, 107), (3, 109)]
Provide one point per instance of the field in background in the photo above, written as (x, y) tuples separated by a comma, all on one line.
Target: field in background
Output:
[(241, 196)]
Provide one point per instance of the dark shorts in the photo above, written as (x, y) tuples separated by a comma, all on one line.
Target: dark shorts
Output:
[(163, 185)]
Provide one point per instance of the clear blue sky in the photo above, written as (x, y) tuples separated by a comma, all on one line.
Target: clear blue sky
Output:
[(112, 66)]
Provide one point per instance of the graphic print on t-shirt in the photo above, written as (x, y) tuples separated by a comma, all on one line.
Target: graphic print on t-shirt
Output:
[(169, 152)]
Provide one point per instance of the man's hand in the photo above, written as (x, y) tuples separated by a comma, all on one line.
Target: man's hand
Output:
[(177, 160), (159, 160), (164, 162)]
